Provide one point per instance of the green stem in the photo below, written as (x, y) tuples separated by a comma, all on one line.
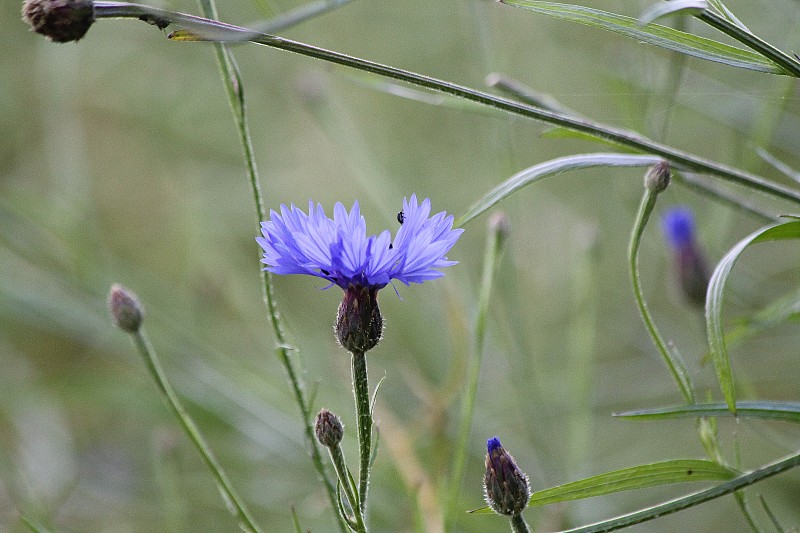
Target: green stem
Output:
[(234, 503), (364, 415), (675, 365), (777, 56), (235, 93), (691, 500), (518, 524), (494, 246), (205, 29), (346, 482)]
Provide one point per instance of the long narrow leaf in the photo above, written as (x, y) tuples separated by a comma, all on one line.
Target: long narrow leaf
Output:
[(785, 411), (714, 296), (550, 168), (654, 34), (636, 477)]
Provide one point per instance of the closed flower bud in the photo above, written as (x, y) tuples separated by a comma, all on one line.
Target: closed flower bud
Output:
[(359, 324), (506, 487), (125, 309), (328, 428), (61, 21), (658, 177)]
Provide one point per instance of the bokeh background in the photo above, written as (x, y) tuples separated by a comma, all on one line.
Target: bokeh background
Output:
[(119, 162)]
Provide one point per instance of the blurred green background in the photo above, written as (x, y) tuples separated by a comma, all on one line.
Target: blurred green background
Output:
[(119, 162)]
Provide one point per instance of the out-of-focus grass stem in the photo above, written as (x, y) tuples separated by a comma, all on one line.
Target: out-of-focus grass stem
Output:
[(495, 241), (235, 92), (232, 500)]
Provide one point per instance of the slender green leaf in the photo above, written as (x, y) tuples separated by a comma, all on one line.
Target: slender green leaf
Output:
[(654, 34), (656, 11), (633, 478), (550, 168), (714, 298), (785, 411)]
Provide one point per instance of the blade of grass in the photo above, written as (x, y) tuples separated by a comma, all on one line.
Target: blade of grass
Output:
[(655, 34), (714, 300), (632, 478), (784, 411), (550, 168), (691, 500)]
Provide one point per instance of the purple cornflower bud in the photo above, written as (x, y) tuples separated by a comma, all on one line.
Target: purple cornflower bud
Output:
[(690, 263), (507, 489), (61, 21), (328, 428), (339, 251), (125, 309)]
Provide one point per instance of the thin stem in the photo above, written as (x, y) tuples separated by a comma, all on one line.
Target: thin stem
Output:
[(675, 365), (234, 503), (495, 240), (364, 416), (691, 500), (235, 92), (518, 524), (346, 482), (205, 29), (777, 56)]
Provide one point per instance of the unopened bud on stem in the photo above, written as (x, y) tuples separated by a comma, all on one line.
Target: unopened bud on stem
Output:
[(507, 488), (658, 177), (328, 428), (125, 309), (61, 21)]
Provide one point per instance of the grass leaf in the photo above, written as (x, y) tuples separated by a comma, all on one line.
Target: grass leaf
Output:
[(550, 168), (714, 299), (636, 477), (785, 411), (654, 34)]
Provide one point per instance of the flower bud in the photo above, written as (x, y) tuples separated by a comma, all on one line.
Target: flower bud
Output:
[(359, 324), (125, 309), (506, 488), (61, 21), (690, 263), (328, 428), (658, 177)]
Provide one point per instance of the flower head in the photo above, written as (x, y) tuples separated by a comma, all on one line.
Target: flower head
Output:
[(507, 488), (338, 249)]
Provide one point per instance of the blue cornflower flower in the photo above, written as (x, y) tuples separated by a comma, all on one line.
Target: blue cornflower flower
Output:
[(690, 263), (339, 251)]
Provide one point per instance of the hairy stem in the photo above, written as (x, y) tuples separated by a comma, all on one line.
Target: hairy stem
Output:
[(364, 415)]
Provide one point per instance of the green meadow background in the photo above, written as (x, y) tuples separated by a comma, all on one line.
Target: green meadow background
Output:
[(120, 162)]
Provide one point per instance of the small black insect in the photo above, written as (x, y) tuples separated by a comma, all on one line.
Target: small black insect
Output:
[(401, 217)]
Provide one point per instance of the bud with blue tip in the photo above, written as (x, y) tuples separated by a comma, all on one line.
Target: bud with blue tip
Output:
[(692, 269)]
